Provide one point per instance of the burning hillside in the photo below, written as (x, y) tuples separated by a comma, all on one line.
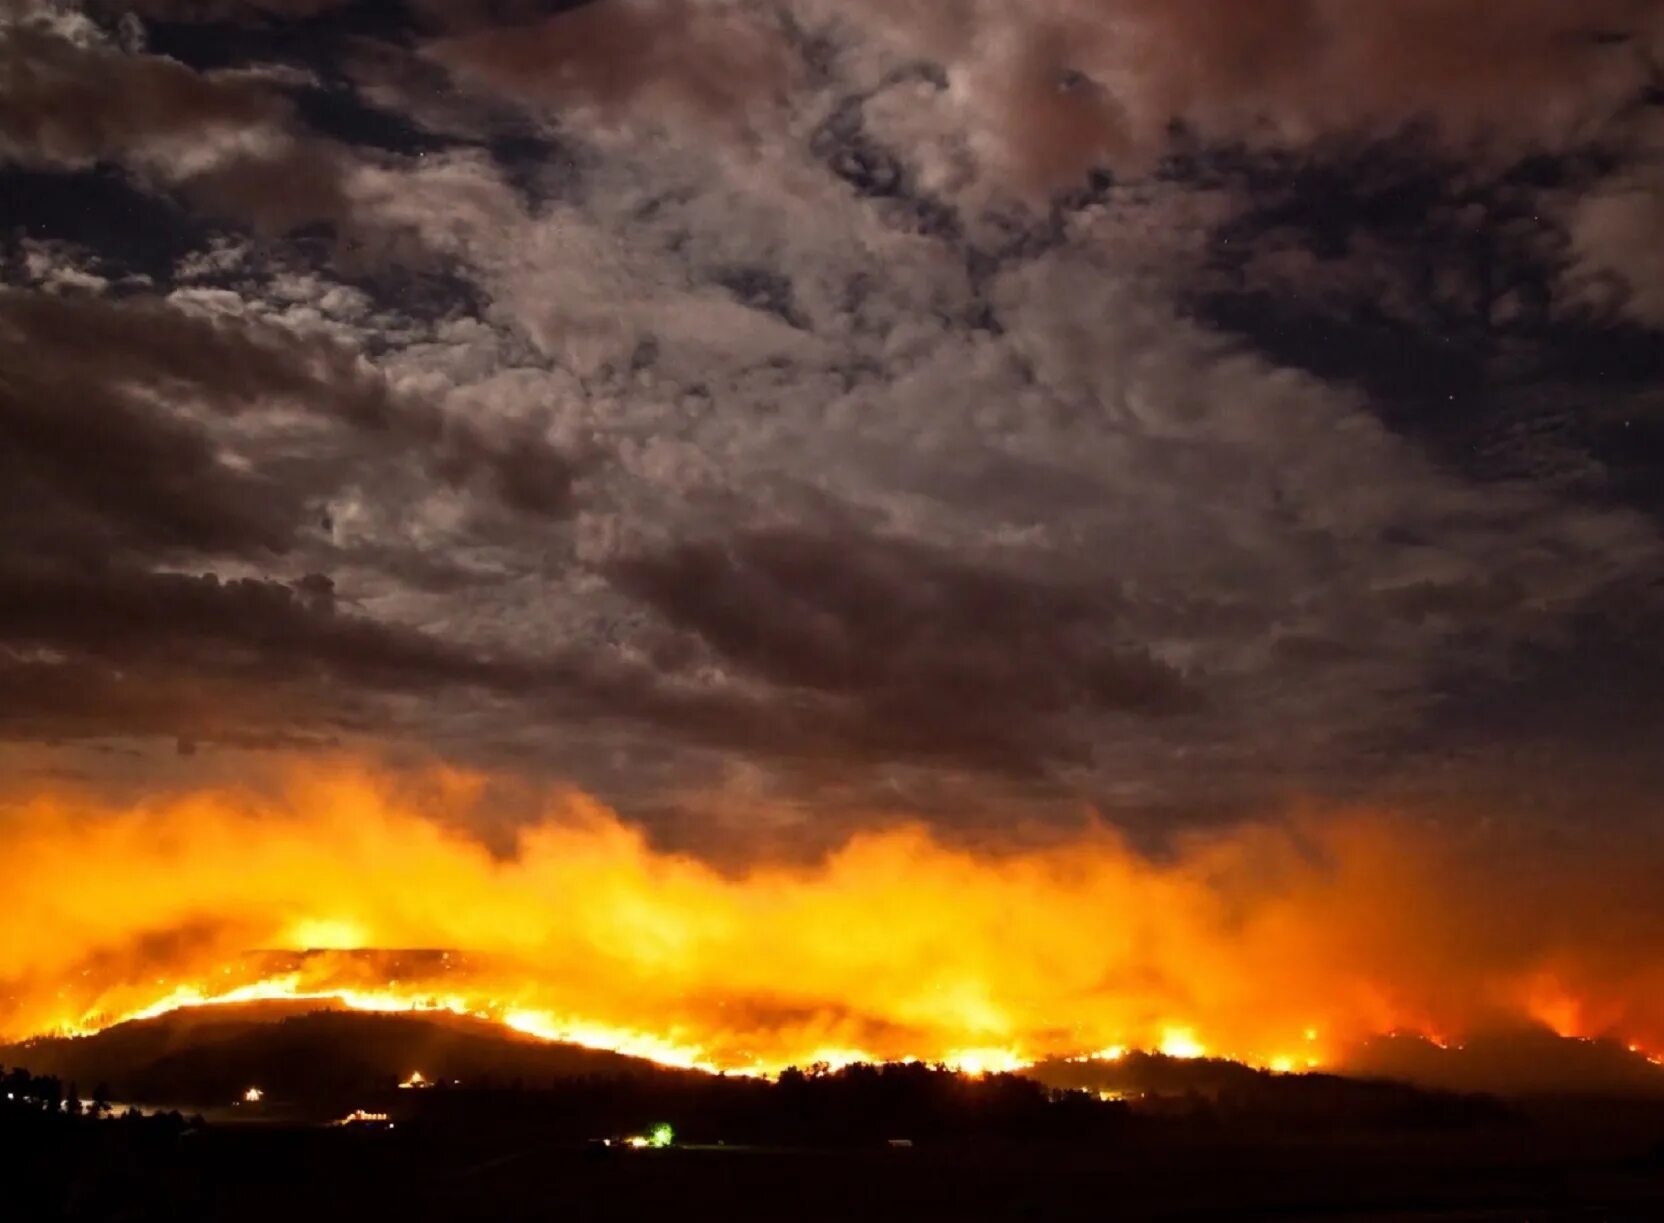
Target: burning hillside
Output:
[(1282, 947)]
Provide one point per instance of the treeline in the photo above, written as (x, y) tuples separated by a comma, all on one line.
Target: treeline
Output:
[(865, 1104), (26, 1097), (1214, 1091), (46, 1093), (931, 1102), (73, 1158), (853, 1105)]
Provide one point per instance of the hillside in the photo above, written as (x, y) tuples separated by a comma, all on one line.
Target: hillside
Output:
[(299, 1053), (1387, 1073)]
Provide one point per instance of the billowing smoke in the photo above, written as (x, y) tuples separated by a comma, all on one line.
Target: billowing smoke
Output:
[(1279, 944)]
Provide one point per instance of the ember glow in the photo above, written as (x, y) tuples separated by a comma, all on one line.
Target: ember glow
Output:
[(1281, 945)]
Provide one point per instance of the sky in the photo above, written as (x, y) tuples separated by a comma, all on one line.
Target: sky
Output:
[(768, 416)]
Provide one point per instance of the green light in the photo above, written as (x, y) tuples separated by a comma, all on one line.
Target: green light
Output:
[(661, 1136)]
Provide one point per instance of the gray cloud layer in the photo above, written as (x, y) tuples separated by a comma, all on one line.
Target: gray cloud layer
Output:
[(849, 406)]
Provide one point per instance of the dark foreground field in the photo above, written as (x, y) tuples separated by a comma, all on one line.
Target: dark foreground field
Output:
[(296, 1175)]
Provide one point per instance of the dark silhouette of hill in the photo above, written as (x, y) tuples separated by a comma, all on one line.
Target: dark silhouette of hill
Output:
[(320, 1064), (1233, 1094), (311, 1055), (515, 1138), (298, 1054), (1525, 1061), (490, 1080)]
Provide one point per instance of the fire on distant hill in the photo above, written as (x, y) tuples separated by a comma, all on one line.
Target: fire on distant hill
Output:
[(1286, 947)]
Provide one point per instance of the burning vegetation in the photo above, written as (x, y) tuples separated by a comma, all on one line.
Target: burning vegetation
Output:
[(1286, 947)]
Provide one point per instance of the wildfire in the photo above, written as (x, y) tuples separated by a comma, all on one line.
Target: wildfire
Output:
[(1181, 1042), (978, 1062), (1310, 936)]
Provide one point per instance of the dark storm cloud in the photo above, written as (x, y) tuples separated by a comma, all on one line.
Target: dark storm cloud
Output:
[(225, 142), (72, 104), (965, 406), (79, 427), (61, 701), (91, 467), (522, 469), (232, 362), (110, 465), (917, 653), (1289, 69), (116, 650), (248, 629), (229, 10), (709, 63), (1062, 86)]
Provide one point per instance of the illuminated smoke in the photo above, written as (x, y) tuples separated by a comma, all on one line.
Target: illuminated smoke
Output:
[(1280, 945)]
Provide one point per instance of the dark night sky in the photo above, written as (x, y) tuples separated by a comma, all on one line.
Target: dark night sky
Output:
[(763, 413)]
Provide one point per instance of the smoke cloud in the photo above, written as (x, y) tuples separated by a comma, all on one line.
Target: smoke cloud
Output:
[(1296, 939)]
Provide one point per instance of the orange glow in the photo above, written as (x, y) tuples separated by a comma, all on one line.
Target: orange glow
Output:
[(1556, 1009), (1181, 1042), (325, 934), (1311, 935), (978, 1062)]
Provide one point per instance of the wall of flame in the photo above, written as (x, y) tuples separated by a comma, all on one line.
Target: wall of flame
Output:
[(1278, 944)]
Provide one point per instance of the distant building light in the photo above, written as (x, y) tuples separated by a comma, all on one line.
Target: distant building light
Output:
[(358, 1116), (657, 1138)]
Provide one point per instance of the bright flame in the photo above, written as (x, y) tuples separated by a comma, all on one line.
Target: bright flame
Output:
[(837, 1059), (979, 1062), (326, 934), (253, 1096), (1181, 1042), (1313, 935), (545, 1026)]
